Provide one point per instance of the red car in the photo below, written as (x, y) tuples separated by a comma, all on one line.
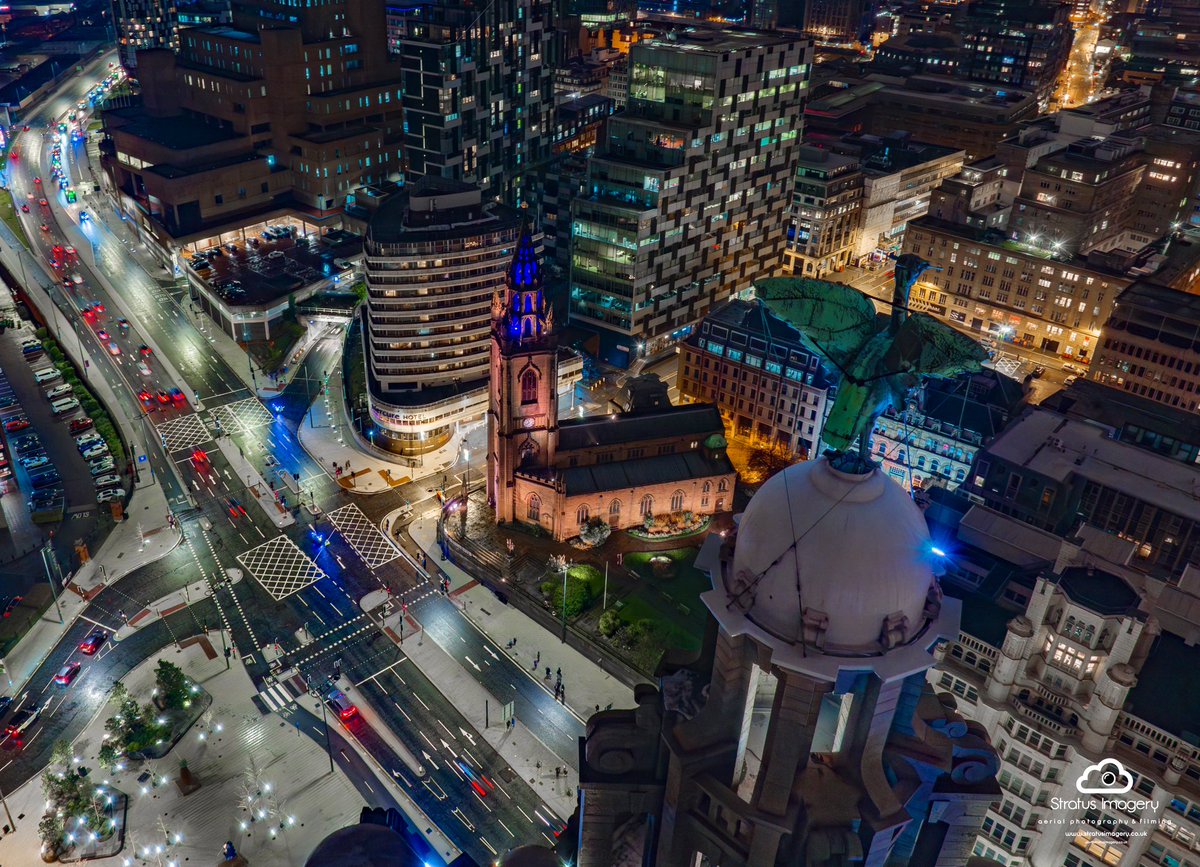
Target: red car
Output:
[(145, 351), (93, 642), (102, 334), (44, 227), (79, 425), (96, 305), (15, 424), (67, 673), (162, 396), (145, 395), (37, 181)]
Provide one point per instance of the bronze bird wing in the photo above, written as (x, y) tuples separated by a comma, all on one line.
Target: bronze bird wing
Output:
[(925, 348), (835, 320)]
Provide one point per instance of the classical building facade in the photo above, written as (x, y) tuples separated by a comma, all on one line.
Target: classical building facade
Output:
[(827, 202), (1074, 657), (627, 468), (771, 389), (933, 441), (807, 733), (1150, 346)]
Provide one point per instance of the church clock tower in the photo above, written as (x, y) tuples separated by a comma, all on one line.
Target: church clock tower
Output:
[(523, 392)]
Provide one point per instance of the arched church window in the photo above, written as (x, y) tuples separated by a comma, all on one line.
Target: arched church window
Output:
[(647, 506), (582, 515), (529, 387), (722, 486), (535, 508), (614, 511), (677, 501)]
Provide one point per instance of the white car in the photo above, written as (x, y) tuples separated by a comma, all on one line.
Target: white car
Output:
[(95, 451), (109, 495), (88, 438), (1070, 380), (107, 481), (99, 469), (143, 368)]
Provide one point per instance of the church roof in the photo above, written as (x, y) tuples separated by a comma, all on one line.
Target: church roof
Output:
[(697, 419), (640, 472)]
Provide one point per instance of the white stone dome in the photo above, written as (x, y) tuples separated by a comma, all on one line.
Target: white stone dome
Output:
[(844, 554)]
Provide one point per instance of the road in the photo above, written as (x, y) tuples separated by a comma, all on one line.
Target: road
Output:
[(1078, 84), (277, 605)]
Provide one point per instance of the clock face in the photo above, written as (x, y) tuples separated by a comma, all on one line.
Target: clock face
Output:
[(528, 423)]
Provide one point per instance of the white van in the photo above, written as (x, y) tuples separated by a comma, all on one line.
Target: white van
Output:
[(58, 391), (60, 407), (46, 374)]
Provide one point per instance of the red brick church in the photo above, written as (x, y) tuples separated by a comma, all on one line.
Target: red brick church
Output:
[(654, 459)]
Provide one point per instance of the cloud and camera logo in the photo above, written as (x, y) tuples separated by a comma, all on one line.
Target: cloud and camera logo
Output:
[(1106, 777)]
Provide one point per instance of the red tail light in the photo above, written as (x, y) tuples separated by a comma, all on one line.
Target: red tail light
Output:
[(349, 712)]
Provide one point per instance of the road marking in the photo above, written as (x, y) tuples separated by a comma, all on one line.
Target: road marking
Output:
[(506, 828), (97, 623), (526, 815), (382, 671)]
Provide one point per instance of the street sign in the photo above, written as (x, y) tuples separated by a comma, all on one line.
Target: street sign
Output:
[(141, 459)]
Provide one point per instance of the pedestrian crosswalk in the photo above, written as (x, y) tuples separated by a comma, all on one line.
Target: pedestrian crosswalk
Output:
[(278, 696)]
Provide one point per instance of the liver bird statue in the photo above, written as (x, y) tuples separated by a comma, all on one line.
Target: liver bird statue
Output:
[(878, 365)]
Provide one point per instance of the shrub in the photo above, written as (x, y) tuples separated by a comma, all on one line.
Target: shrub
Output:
[(50, 830), (579, 594), (648, 521), (109, 756), (610, 623), (595, 531)]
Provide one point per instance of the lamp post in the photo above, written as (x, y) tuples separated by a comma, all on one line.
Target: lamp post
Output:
[(466, 489), (50, 561), (328, 747)]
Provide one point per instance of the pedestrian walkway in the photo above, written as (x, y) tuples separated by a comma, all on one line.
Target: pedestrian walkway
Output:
[(265, 787), (587, 684), (328, 437), (126, 549)]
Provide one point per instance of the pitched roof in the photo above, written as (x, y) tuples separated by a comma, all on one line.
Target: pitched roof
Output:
[(697, 419), (622, 475)]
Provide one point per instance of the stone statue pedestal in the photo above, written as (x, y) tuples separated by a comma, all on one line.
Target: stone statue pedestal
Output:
[(239, 861), (187, 782)]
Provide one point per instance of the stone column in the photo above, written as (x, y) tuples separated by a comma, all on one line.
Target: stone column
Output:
[(1101, 713), (789, 739), (1012, 658)]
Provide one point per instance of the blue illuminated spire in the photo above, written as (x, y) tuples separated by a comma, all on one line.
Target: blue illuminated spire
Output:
[(526, 312)]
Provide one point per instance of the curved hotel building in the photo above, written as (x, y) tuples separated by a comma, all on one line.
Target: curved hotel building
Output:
[(434, 258)]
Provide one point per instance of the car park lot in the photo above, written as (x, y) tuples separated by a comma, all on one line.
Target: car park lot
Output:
[(49, 479)]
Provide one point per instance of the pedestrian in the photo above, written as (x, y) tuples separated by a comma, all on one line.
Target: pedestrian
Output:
[(562, 694), (547, 672), (558, 673), (608, 706), (597, 708)]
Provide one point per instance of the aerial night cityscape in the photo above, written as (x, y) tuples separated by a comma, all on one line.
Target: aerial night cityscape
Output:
[(600, 433)]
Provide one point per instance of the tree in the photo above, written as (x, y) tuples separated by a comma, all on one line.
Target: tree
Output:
[(61, 753), (595, 531), (173, 688), (109, 755), (610, 623), (50, 829), (648, 521)]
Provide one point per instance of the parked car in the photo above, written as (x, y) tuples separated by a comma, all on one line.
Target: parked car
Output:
[(107, 481), (110, 495), (60, 391), (88, 438), (81, 424), (102, 468), (15, 424), (96, 451), (34, 463), (1070, 380), (46, 374)]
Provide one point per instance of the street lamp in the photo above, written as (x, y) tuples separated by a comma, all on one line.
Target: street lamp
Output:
[(466, 489)]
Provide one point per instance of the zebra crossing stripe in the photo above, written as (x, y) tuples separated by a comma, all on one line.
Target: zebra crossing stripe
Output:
[(276, 697)]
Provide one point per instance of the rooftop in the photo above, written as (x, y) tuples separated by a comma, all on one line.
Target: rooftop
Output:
[(695, 419), (1161, 299), (1165, 695), (1090, 401), (713, 40), (181, 132), (1060, 448), (1102, 592), (659, 469), (461, 214)]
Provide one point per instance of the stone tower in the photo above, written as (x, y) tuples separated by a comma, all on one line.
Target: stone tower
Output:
[(818, 741), (523, 392)]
